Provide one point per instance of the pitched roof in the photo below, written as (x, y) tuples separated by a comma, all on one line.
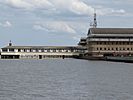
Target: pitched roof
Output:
[(111, 31), (43, 47)]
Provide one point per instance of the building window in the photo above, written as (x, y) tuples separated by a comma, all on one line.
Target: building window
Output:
[(48, 50), (31, 50), (11, 50), (19, 50), (42, 50), (127, 48), (97, 48), (112, 48), (100, 48), (24, 50), (116, 49), (104, 48), (54, 50), (112, 43), (108, 48), (4, 50), (37, 50)]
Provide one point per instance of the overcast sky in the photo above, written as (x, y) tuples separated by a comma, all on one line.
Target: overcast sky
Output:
[(58, 22)]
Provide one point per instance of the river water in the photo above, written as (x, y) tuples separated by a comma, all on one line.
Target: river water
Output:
[(68, 79)]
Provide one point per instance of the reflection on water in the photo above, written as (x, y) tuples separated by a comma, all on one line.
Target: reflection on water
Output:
[(68, 79)]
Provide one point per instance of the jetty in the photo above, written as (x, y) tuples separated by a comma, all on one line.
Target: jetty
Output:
[(41, 52)]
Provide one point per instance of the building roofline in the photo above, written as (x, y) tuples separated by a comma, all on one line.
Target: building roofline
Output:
[(39, 47), (110, 31)]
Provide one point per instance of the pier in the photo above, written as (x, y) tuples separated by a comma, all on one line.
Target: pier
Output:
[(41, 52)]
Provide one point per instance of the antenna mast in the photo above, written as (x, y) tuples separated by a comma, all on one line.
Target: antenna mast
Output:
[(10, 43), (94, 24)]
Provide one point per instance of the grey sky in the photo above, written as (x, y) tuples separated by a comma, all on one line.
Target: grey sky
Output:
[(58, 22)]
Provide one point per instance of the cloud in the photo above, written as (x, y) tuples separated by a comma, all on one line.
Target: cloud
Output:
[(29, 4), (5, 24), (18, 3), (81, 8), (123, 1), (54, 26), (110, 11), (72, 28), (78, 7), (75, 6)]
